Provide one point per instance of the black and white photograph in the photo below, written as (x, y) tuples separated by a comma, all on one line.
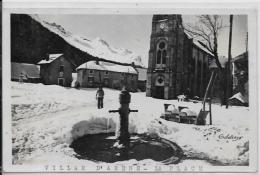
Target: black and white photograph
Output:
[(161, 91)]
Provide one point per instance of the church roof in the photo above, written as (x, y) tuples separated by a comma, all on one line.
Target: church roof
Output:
[(196, 43)]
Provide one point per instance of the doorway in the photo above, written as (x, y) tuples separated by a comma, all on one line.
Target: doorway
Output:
[(159, 87), (61, 81), (159, 92)]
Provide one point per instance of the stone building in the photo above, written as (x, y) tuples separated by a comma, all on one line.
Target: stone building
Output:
[(56, 69), (177, 63), (93, 74)]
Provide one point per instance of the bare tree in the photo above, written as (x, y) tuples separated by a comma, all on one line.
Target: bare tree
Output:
[(206, 31)]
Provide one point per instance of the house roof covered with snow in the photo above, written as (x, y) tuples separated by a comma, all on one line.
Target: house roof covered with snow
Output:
[(92, 65), (107, 67), (28, 70), (51, 58), (240, 58)]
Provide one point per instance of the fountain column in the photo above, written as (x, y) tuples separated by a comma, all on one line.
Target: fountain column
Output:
[(123, 135)]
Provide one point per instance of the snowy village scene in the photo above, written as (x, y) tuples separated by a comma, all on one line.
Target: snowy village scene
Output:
[(129, 93)]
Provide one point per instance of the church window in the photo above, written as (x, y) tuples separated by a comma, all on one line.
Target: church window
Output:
[(159, 57), (164, 57), (61, 68), (161, 54), (161, 45)]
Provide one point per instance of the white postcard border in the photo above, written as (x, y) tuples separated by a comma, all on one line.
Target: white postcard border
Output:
[(135, 9)]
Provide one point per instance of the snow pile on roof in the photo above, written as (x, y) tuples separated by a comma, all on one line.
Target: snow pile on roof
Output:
[(239, 97), (52, 57), (107, 67), (96, 47), (28, 70)]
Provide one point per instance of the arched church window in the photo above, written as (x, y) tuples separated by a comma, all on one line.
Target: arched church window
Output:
[(162, 45), (161, 54)]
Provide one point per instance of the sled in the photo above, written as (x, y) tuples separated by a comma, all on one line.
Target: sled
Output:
[(177, 115)]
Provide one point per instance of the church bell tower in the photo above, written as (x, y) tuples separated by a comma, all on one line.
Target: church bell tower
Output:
[(164, 74)]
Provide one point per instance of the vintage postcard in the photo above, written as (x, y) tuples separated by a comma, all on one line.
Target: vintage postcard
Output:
[(129, 88)]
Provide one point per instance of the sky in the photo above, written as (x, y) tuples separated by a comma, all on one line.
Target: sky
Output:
[(133, 32)]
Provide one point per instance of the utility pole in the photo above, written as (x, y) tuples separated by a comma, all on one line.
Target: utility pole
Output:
[(229, 60), (246, 41)]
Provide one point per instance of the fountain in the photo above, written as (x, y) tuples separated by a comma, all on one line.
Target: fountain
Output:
[(119, 146)]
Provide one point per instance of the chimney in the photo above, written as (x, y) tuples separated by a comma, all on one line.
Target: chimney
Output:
[(133, 64), (97, 62), (47, 57)]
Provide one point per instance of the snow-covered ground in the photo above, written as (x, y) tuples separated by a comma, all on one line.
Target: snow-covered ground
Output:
[(46, 119)]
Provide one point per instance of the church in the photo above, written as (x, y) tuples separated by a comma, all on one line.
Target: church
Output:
[(177, 63)]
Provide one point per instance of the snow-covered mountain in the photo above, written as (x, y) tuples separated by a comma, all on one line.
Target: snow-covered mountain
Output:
[(96, 47)]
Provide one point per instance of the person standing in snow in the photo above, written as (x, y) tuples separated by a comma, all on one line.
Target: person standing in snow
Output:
[(21, 76), (100, 96)]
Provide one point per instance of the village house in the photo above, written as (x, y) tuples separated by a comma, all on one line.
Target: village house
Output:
[(56, 69), (25, 72), (177, 63), (93, 74), (240, 72)]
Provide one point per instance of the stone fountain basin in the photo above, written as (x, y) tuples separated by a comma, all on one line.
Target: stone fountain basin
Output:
[(101, 148)]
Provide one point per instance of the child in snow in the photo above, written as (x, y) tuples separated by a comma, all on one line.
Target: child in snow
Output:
[(100, 96)]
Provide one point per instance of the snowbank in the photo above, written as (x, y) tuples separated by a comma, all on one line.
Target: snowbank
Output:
[(46, 119)]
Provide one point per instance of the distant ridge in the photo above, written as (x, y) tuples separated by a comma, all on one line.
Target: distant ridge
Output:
[(96, 47)]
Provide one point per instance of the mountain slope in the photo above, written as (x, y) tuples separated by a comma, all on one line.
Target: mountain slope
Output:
[(96, 47)]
